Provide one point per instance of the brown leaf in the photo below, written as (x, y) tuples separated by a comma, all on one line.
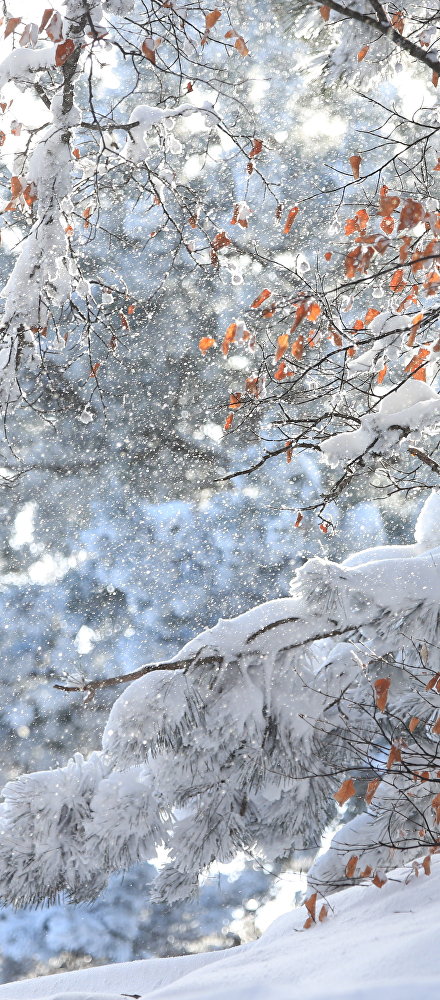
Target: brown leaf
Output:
[(283, 343), (436, 807), (299, 518), (308, 923), (436, 727), (378, 881), (228, 421), (11, 24), (413, 723), (47, 14), (371, 788), (63, 51), (345, 792), (241, 46), (324, 12), (426, 865), (355, 163), (394, 756), (261, 298), (310, 905), (398, 21), (397, 283), (362, 52), (350, 867), (291, 216), (16, 187), (323, 913), (220, 241), (205, 343), (149, 50), (211, 18), (370, 315), (229, 337), (256, 148), (381, 689)]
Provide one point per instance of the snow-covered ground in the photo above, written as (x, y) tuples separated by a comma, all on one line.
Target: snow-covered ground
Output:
[(377, 944)]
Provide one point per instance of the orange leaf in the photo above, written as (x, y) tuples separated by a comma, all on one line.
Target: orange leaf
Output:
[(397, 283), (370, 315), (235, 401), (220, 241), (381, 689), (426, 865), (433, 682), (94, 369), (350, 867), (205, 343), (241, 46), (378, 881), (412, 213), (228, 421), (394, 756), (256, 148), (328, 255), (16, 187), (291, 216), (324, 12), (387, 203), (355, 163), (345, 792), (371, 788), (310, 905), (283, 343), (63, 51), (413, 723), (313, 312), (434, 78), (298, 347), (229, 337), (397, 21), (308, 923), (362, 52), (301, 312), (381, 375), (11, 25), (436, 727), (323, 913), (76, 153), (211, 18), (366, 872), (416, 367), (261, 298), (299, 518), (289, 451)]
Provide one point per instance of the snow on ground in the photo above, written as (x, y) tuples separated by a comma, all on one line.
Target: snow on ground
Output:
[(377, 944)]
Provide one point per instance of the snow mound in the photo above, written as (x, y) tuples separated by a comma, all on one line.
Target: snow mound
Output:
[(375, 943)]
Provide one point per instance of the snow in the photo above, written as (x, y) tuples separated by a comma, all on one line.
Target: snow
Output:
[(376, 943)]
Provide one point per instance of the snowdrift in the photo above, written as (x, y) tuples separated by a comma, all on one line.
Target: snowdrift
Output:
[(377, 944)]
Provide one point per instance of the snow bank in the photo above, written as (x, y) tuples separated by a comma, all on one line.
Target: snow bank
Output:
[(376, 943)]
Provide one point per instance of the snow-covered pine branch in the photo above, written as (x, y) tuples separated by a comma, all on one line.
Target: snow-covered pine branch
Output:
[(244, 748)]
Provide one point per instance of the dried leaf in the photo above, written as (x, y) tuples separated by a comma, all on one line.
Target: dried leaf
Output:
[(323, 913), (211, 18), (413, 723), (371, 788), (345, 792), (394, 756), (436, 807), (299, 518), (426, 865), (47, 14), (261, 298), (228, 421), (229, 337), (397, 283), (283, 343), (205, 343), (355, 163), (350, 867), (324, 12), (11, 24), (63, 51), (362, 53), (381, 689), (378, 881), (370, 315), (149, 50), (256, 148), (310, 905), (241, 46), (291, 216)]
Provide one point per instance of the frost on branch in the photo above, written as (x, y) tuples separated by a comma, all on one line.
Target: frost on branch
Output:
[(242, 741)]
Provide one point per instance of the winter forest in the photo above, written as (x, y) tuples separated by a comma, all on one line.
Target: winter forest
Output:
[(219, 485)]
